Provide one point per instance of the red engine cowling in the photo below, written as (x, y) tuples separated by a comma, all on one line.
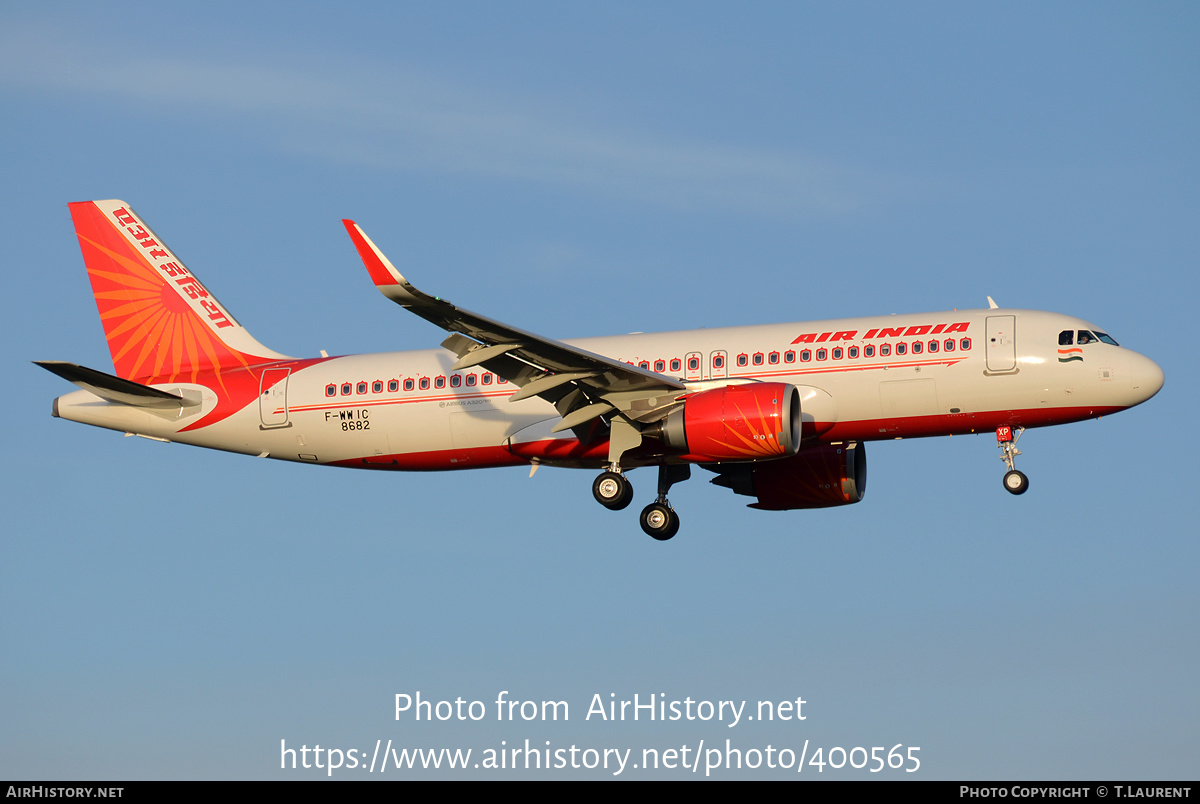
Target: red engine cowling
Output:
[(749, 422), (819, 477)]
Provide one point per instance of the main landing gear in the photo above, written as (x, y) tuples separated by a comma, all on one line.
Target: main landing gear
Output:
[(659, 520), (1006, 439), (612, 490)]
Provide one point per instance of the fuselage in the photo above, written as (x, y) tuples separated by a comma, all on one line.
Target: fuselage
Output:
[(859, 379)]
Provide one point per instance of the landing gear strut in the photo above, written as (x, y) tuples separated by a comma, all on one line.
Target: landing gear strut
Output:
[(659, 519), (1006, 438)]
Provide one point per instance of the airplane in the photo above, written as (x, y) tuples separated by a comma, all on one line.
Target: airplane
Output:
[(777, 412)]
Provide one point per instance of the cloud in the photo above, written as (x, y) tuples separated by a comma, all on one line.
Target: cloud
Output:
[(389, 118)]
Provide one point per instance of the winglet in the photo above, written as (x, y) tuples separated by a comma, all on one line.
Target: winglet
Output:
[(382, 272)]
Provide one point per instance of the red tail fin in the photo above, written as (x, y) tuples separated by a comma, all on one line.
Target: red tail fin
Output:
[(162, 324)]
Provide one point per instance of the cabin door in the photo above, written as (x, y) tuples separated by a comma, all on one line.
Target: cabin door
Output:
[(1001, 342), (272, 398)]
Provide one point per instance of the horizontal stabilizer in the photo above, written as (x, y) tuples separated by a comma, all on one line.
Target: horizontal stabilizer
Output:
[(113, 389)]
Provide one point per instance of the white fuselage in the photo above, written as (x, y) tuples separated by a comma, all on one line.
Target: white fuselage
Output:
[(859, 379)]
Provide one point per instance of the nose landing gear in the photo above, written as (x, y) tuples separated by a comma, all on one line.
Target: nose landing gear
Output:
[(1006, 439)]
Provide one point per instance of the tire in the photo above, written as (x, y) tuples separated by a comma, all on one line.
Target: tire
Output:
[(659, 522), (612, 491), (1015, 482)]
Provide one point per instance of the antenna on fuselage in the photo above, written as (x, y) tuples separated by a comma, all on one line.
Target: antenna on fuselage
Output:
[(992, 305)]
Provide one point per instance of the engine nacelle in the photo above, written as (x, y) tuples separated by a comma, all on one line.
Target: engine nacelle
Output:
[(819, 477), (750, 422)]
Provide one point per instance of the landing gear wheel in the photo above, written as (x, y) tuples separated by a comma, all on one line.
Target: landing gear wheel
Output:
[(612, 491), (659, 521), (1015, 482)]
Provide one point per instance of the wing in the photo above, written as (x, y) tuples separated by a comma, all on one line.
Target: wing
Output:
[(581, 384)]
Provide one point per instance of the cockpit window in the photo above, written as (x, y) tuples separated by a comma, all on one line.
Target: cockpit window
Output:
[(1066, 337), (1086, 337), (1104, 336)]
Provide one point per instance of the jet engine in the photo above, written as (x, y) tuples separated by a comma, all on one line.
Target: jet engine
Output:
[(821, 476), (749, 422)]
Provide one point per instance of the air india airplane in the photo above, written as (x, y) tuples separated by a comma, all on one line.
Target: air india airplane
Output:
[(778, 412)]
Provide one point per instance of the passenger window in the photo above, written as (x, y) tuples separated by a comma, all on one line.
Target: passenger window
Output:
[(789, 357), (362, 387), (424, 383), (901, 348), (455, 380), (837, 353), (743, 360), (408, 384), (377, 387), (917, 346), (869, 350), (676, 364), (347, 388), (487, 378), (393, 386), (933, 346), (660, 365), (949, 344), (645, 364), (773, 358), (964, 344), (805, 355), (718, 361), (693, 364), (758, 358), (822, 354), (439, 382), (470, 380), (885, 349), (331, 390), (852, 352)]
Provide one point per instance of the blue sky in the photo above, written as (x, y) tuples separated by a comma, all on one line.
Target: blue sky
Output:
[(168, 612)]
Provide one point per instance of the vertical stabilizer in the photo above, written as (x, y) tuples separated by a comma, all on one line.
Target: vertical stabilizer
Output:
[(162, 323)]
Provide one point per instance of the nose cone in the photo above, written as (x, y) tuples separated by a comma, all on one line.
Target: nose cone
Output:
[(1146, 377)]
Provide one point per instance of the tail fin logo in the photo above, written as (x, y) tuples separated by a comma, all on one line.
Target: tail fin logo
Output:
[(162, 323)]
